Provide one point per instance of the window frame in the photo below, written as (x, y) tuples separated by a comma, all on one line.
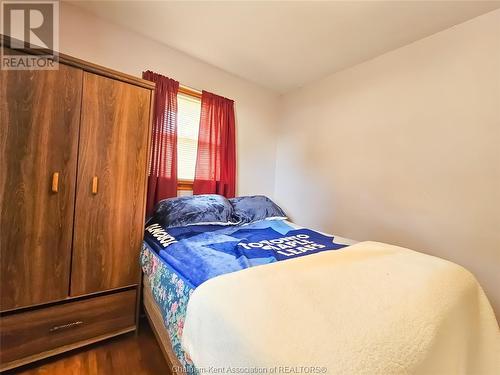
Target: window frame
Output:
[(187, 185)]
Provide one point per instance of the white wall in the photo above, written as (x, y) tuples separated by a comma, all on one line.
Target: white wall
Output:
[(404, 149), (90, 38)]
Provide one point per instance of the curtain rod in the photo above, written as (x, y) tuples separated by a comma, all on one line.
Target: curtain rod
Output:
[(189, 91)]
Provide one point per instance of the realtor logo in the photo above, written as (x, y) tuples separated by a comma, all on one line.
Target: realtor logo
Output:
[(33, 25)]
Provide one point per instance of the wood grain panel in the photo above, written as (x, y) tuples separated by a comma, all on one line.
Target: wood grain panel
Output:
[(39, 119), (109, 223), (35, 332)]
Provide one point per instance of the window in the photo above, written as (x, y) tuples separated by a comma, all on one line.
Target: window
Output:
[(188, 124)]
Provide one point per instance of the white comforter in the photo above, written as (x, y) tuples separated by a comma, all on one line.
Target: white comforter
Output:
[(370, 308)]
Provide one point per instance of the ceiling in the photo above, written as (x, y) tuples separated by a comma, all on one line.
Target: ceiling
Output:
[(284, 45)]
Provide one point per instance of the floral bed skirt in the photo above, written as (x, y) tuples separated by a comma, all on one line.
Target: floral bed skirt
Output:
[(171, 292)]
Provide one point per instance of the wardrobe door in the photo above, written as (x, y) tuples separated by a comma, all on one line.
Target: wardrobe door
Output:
[(112, 163), (39, 119)]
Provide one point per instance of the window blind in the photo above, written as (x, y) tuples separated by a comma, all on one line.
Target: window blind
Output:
[(188, 124)]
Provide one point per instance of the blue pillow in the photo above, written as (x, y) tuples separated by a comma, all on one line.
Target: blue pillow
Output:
[(254, 208), (193, 209)]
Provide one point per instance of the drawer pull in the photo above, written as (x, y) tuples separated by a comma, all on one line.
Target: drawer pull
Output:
[(66, 326)]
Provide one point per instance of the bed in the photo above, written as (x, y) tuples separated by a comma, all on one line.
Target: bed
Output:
[(324, 305)]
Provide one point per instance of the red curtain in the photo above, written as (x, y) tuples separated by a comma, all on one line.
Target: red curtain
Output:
[(162, 181), (215, 171)]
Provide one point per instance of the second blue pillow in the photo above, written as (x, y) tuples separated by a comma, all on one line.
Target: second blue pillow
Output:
[(256, 207)]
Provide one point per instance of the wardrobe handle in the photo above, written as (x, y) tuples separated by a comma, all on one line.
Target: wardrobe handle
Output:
[(66, 326), (55, 182), (94, 185)]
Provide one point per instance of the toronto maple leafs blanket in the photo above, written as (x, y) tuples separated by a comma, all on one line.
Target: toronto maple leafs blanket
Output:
[(201, 252)]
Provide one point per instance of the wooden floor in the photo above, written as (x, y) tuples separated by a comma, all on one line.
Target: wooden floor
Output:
[(128, 354)]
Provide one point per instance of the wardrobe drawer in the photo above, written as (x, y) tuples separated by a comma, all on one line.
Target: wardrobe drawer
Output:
[(46, 331)]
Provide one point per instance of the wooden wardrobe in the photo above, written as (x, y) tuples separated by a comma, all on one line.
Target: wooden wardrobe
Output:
[(73, 169)]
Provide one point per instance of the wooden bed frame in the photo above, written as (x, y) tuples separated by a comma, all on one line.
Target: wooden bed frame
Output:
[(156, 322)]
